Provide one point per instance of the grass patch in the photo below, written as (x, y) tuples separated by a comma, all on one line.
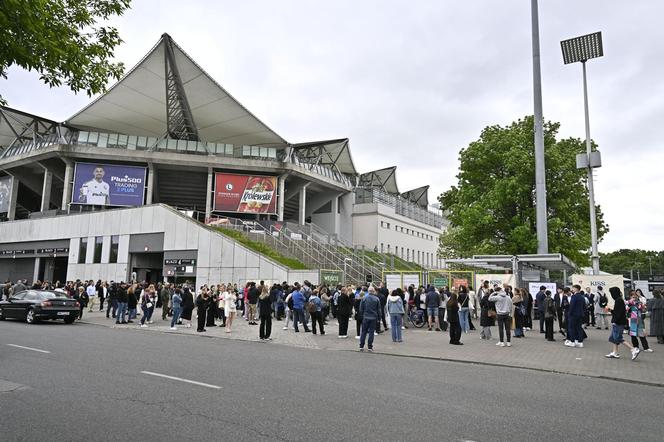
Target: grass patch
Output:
[(263, 249), (399, 263)]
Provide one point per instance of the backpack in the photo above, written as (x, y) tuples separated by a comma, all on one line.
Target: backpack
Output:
[(603, 300), (290, 303), (311, 307)]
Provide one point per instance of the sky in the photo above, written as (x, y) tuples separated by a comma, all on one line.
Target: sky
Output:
[(413, 82)]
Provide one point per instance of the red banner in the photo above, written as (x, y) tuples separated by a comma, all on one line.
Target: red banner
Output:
[(245, 193), (459, 282)]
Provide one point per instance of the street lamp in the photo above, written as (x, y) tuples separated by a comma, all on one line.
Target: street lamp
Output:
[(582, 49)]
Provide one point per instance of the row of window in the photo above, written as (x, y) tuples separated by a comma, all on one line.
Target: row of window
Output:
[(407, 231), (420, 257), (98, 249)]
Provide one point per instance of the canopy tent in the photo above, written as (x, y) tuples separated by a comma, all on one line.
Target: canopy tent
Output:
[(419, 196), (332, 153), (383, 178), (548, 261), (168, 94)]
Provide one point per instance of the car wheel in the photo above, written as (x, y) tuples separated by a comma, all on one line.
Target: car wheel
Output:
[(70, 320), (30, 316)]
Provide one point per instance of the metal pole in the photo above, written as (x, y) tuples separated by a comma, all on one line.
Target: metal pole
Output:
[(540, 169), (591, 186)]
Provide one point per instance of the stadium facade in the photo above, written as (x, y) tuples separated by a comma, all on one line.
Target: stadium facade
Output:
[(129, 186)]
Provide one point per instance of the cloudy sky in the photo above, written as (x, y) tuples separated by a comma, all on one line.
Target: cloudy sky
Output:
[(412, 82)]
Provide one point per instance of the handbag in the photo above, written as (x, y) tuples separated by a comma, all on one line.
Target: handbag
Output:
[(491, 313), (148, 305)]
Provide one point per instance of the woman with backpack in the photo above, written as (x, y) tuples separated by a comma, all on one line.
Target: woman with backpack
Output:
[(601, 310), (176, 302), (396, 311)]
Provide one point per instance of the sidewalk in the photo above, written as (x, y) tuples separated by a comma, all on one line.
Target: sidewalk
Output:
[(531, 352)]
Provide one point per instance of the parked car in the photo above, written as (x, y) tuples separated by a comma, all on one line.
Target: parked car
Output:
[(35, 305)]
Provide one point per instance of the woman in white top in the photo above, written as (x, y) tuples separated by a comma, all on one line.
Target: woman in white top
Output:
[(230, 306)]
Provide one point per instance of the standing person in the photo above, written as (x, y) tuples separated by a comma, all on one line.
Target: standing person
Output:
[(202, 301), (382, 294), (187, 306), (487, 313), (503, 305), (656, 309), (432, 304), (564, 306), (357, 301), (575, 316), (519, 312), (82, 297), (132, 302), (369, 309), (112, 301), (146, 305), (212, 311), (288, 302), (298, 308), (590, 311), (176, 302), (557, 301), (549, 316), (343, 311), (463, 301), (454, 319), (230, 306), (618, 323), (122, 304), (529, 301), (315, 308), (396, 311), (152, 295), (265, 315), (252, 298), (165, 295), (102, 293), (93, 300), (539, 300), (601, 310), (635, 311)]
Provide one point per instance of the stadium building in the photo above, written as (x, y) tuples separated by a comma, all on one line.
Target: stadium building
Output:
[(157, 177)]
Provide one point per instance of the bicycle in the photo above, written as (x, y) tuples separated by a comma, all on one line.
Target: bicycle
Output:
[(416, 317)]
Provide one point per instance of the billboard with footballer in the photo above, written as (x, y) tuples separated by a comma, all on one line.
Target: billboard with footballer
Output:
[(108, 185), (245, 193), (5, 193)]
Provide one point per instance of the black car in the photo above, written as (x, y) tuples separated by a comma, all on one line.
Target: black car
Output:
[(34, 305)]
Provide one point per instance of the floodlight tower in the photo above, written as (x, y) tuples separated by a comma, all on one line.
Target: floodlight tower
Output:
[(582, 49)]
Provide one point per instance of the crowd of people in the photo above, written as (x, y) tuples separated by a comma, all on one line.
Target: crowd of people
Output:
[(310, 307)]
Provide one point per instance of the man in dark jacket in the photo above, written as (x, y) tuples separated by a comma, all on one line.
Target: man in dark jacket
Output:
[(539, 300), (433, 303), (122, 304), (112, 302), (370, 310), (252, 298), (557, 301), (577, 305)]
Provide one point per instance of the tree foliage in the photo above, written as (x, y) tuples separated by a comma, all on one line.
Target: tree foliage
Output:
[(61, 40), (622, 262), (492, 207)]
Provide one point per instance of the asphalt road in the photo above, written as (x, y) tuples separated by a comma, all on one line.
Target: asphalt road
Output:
[(92, 385)]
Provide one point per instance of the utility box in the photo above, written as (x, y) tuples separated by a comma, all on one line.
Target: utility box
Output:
[(595, 159), (582, 161)]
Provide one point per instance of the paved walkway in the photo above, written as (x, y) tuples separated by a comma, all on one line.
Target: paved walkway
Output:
[(531, 352)]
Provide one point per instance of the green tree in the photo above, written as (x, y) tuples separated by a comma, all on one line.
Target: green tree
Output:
[(492, 207), (624, 261), (61, 40)]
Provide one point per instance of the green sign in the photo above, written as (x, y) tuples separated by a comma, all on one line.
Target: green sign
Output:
[(440, 282), (331, 277)]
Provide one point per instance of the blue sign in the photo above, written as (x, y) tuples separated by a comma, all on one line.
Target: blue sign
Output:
[(108, 185)]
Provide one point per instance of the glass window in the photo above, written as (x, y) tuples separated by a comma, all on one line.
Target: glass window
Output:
[(103, 140), (82, 250), (172, 144), (255, 151), (162, 143), (52, 295), (113, 140), (246, 151), (263, 151), (182, 144), (151, 141), (131, 142), (115, 242), (272, 152), (229, 149), (99, 241), (93, 137), (191, 145), (82, 137), (141, 142)]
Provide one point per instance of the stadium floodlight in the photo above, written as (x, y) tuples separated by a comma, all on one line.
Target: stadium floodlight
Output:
[(582, 49)]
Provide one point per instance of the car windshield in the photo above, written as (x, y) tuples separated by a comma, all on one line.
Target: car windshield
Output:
[(51, 295)]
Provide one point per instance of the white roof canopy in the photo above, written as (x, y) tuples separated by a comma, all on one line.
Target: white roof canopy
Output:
[(419, 196), (385, 178), (328, 153), (138, 103)]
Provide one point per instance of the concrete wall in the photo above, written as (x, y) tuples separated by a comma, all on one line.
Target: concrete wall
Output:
[(370, 233), (220, 259)]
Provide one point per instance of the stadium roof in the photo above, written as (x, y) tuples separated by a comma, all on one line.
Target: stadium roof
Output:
[(419, 196), (168, 93), (329, 153), (385, 178)]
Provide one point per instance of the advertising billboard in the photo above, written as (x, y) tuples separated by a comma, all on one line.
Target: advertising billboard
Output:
[(108, 185), (245, 193), (5, 193)]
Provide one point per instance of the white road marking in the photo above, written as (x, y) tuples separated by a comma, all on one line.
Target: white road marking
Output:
[(202, 384), (28, 348)]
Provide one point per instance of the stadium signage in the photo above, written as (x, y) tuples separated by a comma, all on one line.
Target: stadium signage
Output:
[(245, 193), (108, 185)]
